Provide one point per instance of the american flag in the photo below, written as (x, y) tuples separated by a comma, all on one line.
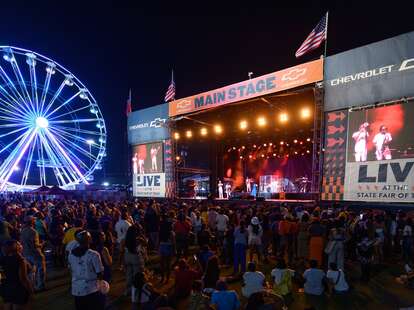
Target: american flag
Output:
[(170, 95), (129, 104), (315, 38)]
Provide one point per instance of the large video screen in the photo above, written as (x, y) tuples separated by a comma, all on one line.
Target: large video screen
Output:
[(382, 133), (147, 158)]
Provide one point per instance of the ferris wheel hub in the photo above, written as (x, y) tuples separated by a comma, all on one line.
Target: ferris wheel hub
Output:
[(42, 122)]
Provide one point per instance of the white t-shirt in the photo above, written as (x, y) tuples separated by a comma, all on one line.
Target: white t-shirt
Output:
[(342, 285), (121, 228), (254, 282), (222, 221), (313, 284), (278, 273), (407, 231), (85, 271), (71, 245), (255, 239)]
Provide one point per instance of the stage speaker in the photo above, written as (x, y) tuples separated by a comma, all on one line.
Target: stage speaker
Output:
[(260, 199)]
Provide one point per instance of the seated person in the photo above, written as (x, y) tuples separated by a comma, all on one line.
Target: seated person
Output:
[(314, 278), (223, 299), (336, 278), (253, 281)]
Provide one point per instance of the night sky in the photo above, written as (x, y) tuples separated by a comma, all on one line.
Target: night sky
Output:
[(114, 48)]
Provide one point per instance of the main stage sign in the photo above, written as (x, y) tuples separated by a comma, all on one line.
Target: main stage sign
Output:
[(377, 72), (149, 185), (300, 75)]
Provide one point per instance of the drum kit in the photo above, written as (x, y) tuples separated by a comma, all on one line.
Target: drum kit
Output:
[(302, 184)]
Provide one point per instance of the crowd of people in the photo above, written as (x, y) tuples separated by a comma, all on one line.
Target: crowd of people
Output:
[(273, 251)]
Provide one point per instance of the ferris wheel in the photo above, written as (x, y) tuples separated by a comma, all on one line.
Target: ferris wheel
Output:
[(52, 131)]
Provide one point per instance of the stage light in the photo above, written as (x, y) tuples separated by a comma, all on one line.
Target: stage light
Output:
[(250, 156), (296, 153), (243, 147), (261, 121), (281, 142), (283, 117), (274, 155), (254, 146), (218, 129), (295, 141), (307, 151), (176, 135), (305, 113), (106, 184), (203, 131), (308, 139), (270, 143), (243, 125), (300, 142), (265, 145), (262, 155), (241, 157), (188, 133), (234, 148), (177, 158)]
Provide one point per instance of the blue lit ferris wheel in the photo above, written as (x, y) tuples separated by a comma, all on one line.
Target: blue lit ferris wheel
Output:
[(52, 131)]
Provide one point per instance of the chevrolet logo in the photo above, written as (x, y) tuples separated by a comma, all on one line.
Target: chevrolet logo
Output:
[(184, 105), (293, 74), (158, 122)]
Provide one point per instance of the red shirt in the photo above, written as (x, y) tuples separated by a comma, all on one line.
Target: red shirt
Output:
[(182, 228), (184, 281)]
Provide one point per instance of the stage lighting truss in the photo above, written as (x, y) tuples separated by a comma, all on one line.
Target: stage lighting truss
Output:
[(47, 119)]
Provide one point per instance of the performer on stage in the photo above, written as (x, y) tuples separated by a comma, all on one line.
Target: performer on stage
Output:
[(220, 189), (228, 190), (254, 190), (135, 164), (154, 152), (360, 138), (141, 166), (195, 189), (381, 141), (248, 187)]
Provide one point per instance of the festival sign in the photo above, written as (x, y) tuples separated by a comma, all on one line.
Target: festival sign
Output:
[(378, 72), (380, 154), (148, 185), (300, 75)]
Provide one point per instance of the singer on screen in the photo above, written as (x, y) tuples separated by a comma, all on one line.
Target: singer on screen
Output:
[(360, 138), (381, 142)]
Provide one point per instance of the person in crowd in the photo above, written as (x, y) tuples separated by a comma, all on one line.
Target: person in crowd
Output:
[(282, 278), (182, 229), (407, 241), (16, 288), (314, 279), (224, 299), (222, 221), (134, 260), (56, 232), (212, 219), (365, 255), (336, 279), (106, 257), (152, 222), (167, 246), (211, 274), (197, 223), (121, 228), (316, 242), (87, 271), (143, 294), (184, 278), (198, 300), (253, 281), (303, 237), (255, 233), (32, 251), (336, 247), (240, 248)]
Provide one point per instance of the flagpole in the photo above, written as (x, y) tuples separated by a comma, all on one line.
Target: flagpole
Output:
[(326, 34)]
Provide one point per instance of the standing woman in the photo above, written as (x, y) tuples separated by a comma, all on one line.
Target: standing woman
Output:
[(240, 248), (167, 245), (15, 288), (255, 232), (134, 261), (316, 243)]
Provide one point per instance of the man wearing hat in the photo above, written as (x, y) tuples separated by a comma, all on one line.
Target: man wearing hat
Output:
[(32, 251)]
